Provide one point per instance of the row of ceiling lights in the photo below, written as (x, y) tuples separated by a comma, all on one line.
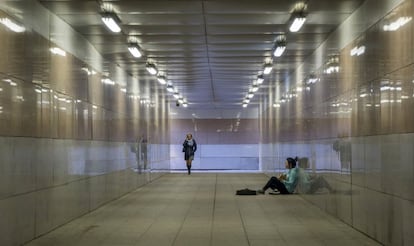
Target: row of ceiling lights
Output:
[(112, 21), (297, 19)]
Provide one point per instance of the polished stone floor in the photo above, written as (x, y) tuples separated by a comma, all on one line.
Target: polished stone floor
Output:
[(202, 209)]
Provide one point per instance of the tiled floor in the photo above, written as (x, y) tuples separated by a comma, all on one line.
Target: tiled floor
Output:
[(202, 209)]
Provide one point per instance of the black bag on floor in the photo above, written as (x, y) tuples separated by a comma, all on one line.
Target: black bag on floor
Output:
[(246, 192)]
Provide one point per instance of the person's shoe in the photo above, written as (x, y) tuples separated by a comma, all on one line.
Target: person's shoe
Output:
[(260, 191), (274, 192)]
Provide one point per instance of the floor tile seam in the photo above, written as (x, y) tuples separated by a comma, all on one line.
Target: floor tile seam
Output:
[(265, 219), (327, 216), (186, 217), (243, 223), (213, 212), (157, 217)]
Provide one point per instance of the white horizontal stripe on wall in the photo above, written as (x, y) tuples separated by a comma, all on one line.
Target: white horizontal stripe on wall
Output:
[(218, 156)]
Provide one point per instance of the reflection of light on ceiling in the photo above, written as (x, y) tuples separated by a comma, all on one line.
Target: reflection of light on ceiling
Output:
[(332, 65), (390, 101), (134, 97), (144, 101), (89, 72), (58, 51), (363, 95), (332, 69), (394, 26), (312, 78), (339, 104), (107, 81), (11, 82), (357, 51), (43, 102), (38, 90), (292, 95), (390, 88), (95, 107), (341, 112), (12, 25), (62, 99)]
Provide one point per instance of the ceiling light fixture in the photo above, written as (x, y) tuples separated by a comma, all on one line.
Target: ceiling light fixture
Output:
[(12, 25), (298, 17), (280, 46), (135, 50), (176, 95), (111, 21), (250, 95), (170, 88), (244, 105), (185, 104), (151, 68), (255, 88), (162, 79), (260, 79), (267, 68)]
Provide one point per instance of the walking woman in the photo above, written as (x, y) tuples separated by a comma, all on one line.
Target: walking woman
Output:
[(189, 148)]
